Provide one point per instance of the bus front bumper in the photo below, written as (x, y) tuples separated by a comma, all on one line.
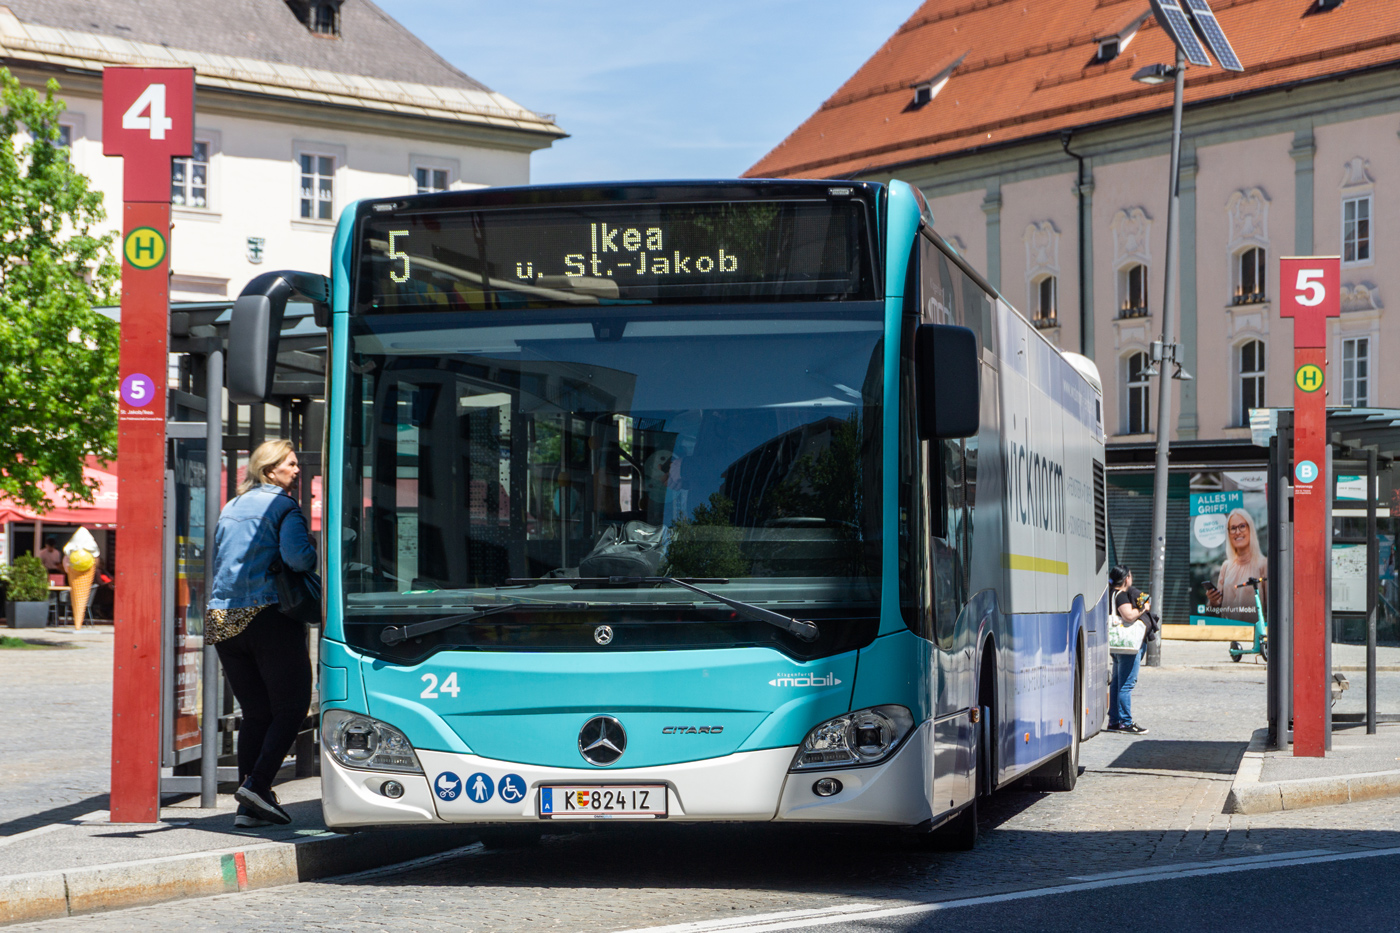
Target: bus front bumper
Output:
[(746, 786)]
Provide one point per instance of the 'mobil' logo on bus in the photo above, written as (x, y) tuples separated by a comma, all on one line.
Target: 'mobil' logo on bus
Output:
[(804, 679)]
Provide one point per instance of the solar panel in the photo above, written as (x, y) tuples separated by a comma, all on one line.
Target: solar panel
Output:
[(1173, 19), (1215, 36)]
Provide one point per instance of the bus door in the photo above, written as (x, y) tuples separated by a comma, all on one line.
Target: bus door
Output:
[(944, 300)]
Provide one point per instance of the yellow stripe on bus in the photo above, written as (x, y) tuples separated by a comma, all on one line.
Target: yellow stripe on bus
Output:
[(1038, 564)]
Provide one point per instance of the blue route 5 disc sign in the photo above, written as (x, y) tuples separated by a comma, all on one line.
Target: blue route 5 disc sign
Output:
[(1305, 472)]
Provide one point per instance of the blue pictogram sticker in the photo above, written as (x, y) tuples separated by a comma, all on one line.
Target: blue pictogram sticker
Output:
[(448, 786), (512, 788), (480, 787), (1306, 471)]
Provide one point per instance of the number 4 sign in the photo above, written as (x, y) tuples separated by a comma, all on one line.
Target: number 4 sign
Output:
[(147, 120), (147, 117)]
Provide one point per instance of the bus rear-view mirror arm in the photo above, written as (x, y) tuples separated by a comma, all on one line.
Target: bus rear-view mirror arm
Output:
[(255, 328), (947, 381)]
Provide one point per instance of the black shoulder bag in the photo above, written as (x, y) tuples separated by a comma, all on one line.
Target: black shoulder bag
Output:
[(298, 591)]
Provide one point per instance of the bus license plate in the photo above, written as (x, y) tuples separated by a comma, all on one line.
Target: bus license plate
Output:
[(603, 802)]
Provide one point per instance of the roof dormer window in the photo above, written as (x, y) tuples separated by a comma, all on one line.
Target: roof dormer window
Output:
[(927, 89), (321, 17), (1115, 43)]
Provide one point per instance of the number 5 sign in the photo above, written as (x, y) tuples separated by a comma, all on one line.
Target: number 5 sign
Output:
[(1310, 294), (147, 117)]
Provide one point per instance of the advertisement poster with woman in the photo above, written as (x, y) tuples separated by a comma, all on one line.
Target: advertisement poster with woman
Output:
[(1228, 549)]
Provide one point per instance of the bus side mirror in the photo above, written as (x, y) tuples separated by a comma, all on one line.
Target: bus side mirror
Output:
[(255, 329), (947, 381)]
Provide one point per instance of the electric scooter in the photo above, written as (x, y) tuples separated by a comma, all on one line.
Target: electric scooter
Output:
[(1261, 640)]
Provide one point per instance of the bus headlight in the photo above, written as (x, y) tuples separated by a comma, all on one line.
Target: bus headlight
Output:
[(860, 738), (367, 744)]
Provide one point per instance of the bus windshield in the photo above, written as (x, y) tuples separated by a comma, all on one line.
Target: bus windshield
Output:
[(539, 454)]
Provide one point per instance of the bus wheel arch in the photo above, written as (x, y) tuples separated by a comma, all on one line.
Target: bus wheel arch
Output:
[(986, 766)]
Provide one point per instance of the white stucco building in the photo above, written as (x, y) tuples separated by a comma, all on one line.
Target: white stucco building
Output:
[(301, 108)]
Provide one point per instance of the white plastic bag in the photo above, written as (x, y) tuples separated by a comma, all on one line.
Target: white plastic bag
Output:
[(1124, 638)]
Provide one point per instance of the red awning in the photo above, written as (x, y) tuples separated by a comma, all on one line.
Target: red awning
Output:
[(102, 511)]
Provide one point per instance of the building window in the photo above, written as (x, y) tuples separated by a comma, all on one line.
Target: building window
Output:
[(317, 187), (189, 178), (1251, 367), (1356, 372), (1136, 385), (1356, 230), (1249, 288), (431, 179), (65, 136), (1132, 290), (1043, 294), (324, 19)]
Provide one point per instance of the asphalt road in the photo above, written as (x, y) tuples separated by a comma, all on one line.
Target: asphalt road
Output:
[(1146, 805), (1347, 892)]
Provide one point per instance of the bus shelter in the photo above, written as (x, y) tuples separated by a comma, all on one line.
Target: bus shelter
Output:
[(1363, 605), (198, 715)]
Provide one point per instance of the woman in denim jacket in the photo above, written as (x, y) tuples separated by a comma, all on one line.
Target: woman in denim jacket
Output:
[(262, 651)]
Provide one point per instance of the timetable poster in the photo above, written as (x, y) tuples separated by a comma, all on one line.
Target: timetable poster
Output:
[(1228, 549)]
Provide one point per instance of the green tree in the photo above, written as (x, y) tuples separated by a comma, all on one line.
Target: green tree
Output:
[(707, 543), (58, 357)]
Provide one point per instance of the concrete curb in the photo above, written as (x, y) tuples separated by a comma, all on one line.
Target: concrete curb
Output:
[(1248, 794), (70, 892)]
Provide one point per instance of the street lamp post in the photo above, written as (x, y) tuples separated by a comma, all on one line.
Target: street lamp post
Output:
[(1183, 22), (1164, 350)]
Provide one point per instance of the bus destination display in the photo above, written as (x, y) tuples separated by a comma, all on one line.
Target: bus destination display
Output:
[(537, 257)]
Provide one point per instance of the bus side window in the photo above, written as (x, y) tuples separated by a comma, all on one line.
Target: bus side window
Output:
[(949, 536)]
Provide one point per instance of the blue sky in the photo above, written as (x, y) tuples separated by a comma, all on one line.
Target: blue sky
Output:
[(657, 89)]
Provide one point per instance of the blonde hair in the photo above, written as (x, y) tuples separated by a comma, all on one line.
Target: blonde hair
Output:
[(268, 456), (1254, 555)]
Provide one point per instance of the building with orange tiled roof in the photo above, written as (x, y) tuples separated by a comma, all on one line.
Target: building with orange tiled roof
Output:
[(1046, 164)]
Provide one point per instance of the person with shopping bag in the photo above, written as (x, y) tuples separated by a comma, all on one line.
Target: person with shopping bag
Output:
[(1127, 638), (80, 563)]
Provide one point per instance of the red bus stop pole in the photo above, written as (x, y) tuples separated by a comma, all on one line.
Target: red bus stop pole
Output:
[(1310, 296), (148, 118)]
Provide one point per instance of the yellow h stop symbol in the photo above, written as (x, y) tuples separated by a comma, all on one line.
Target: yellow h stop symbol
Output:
[(1309, 377), (144, 248)]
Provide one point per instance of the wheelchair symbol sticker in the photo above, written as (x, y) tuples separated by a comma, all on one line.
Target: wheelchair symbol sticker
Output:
[(511, 788), (1306, 471)]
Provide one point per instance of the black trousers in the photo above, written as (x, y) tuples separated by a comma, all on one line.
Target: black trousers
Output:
[(270, 673)]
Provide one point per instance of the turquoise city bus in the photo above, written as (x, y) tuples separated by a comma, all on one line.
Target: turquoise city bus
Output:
[(699, 501)]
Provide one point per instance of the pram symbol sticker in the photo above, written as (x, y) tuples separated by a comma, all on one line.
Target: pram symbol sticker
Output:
[(448, 786)]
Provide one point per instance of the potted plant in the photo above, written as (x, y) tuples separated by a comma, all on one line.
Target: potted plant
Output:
[(27, 595)]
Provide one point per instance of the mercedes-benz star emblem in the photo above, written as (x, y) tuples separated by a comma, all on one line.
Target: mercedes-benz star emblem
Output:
[(602, 740), (603, 634)]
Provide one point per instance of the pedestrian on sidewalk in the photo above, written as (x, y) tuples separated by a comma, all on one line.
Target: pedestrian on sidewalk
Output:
[(1131, 605), (263, 652)]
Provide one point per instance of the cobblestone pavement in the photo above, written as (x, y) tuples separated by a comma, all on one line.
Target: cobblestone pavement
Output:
[(55, 726), (1142, 801)]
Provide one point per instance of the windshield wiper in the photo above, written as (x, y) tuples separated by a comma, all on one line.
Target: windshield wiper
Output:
[(804, 631), (392, 635), (607, 581)]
